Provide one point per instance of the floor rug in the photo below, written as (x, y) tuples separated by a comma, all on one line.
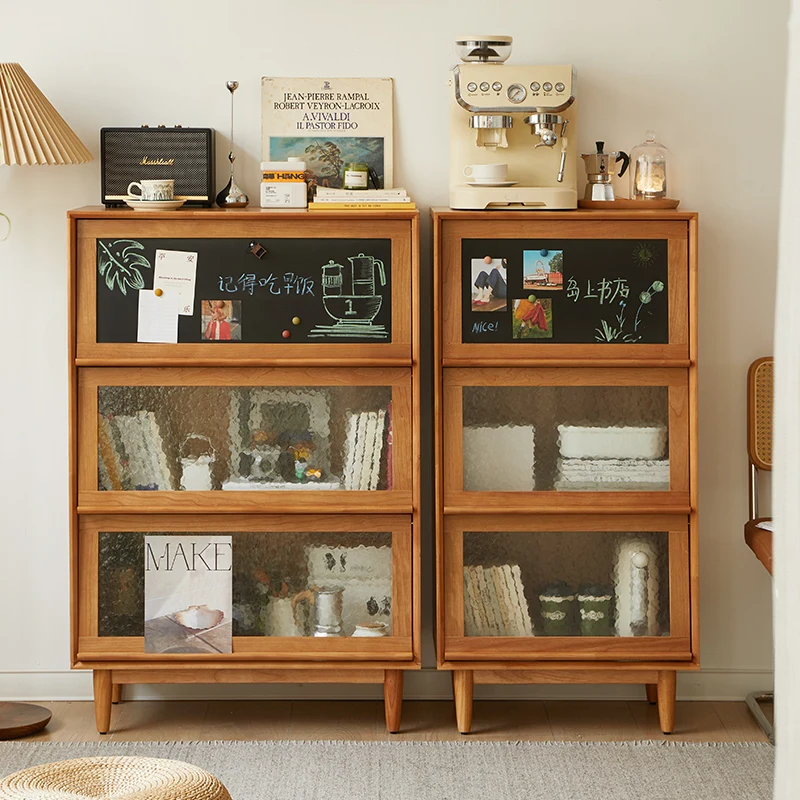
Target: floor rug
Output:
[(450, 770)]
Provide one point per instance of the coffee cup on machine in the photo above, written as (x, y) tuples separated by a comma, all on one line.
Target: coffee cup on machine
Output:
[(163, 189), (486, 173)]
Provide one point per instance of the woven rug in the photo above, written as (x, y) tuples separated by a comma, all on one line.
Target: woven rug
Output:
[(450, 770)]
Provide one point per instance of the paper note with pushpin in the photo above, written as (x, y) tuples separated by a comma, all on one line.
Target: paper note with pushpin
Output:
[(177, 270), (158, 316)]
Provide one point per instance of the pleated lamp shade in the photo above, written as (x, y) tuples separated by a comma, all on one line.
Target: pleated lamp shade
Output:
[(31, 130)]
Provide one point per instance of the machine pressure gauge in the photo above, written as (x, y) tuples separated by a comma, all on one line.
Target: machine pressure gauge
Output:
[(516, 93)]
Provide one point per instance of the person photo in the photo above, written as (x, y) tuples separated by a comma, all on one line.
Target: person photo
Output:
[(489, 284)]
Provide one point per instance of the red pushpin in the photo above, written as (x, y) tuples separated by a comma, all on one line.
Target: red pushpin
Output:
[(487, 259), (286, 334)]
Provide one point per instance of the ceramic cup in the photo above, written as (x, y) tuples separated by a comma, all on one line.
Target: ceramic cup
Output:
[(154, 190), (371, 629), (486, 173)]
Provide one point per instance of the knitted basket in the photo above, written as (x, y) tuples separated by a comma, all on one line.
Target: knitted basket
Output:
[(113, 778)]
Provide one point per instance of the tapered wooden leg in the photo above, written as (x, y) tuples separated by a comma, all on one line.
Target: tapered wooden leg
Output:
[(666, 700), (652, 693), (116, 693), (393, 698), (463, 684), (102, 699)]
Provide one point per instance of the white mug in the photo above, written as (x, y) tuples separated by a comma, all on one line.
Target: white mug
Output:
[(163, 189), (487, 173)]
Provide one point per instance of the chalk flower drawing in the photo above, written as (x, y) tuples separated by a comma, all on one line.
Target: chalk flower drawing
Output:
[(643, 254), (119, 263)]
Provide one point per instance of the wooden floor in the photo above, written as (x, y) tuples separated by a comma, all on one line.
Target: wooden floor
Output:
[(422, 721)]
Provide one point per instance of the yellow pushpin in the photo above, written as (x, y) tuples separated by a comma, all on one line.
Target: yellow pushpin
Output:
[(158, 292), (296, 320)]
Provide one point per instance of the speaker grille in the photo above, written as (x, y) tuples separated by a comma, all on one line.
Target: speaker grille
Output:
[(133, 154)]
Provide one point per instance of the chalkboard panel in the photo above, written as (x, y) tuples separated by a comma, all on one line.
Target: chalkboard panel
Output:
[(317, 290), (567, 291)]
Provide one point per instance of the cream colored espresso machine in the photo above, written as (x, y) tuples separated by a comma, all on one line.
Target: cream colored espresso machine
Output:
[(519, 116)]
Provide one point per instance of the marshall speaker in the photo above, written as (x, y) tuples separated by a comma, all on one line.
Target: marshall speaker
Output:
[(135, 154)]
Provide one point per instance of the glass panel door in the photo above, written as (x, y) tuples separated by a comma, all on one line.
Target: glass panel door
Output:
[(609, 585), (565, 436), (246, 437)]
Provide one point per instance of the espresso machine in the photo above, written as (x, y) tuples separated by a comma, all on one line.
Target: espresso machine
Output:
[(519, 116)]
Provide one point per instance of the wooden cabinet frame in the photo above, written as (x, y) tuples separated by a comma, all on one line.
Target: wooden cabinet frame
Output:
[(458, 647), (395, 500), (396, 363), (673, 364), (456, 500)]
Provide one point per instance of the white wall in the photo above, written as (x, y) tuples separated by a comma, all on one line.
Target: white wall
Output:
[(707, 75)]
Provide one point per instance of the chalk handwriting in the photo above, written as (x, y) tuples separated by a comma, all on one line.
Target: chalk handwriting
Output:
[(604, 290), (485, 327), (289, 283)]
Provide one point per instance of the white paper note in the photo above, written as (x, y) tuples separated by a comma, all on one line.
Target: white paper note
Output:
[(177, 269), (158, 316)]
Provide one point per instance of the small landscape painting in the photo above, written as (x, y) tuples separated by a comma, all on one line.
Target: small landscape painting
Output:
[(543, 270)]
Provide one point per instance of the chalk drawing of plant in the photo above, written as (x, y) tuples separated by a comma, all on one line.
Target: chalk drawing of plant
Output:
[(119, 264), (607, 333)]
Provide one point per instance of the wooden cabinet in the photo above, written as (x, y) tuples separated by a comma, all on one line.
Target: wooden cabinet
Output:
[(291, 429), (566, 449)]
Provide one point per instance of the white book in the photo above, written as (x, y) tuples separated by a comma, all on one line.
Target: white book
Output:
[(498, 597), (131, 439), (507, 604), (350, 451), (341, 194), (373, 199), (377, 452), (358, 452), (369, 449), (517, 621), (478, 609), (523, 601), (470, 625), (489, 601)]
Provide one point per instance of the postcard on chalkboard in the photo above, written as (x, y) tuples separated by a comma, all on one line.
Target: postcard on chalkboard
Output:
[(188, 596), (329, 122), (158, 316), (176, 269)]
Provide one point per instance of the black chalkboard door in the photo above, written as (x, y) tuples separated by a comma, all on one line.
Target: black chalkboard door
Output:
[(565, 291), (307, 291)]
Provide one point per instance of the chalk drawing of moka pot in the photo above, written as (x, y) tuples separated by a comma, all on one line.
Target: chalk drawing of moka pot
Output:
[(350, 296)]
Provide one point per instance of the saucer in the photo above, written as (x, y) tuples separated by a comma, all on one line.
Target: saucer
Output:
[(492, 183), (155, 205)]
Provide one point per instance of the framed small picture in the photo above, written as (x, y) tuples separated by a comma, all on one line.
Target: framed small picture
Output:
[(221, 321), (543, 270), (533, 318), (489, 288)]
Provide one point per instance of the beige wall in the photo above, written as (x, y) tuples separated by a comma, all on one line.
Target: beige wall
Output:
[(707, 75)]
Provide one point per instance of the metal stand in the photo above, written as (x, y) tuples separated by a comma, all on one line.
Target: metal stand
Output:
[(753, 700)]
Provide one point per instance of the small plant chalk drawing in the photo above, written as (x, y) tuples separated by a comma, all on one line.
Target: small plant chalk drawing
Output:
[(119, 264)]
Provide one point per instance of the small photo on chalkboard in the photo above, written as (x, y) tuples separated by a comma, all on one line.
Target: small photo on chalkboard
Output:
[(489, 284), (543, 270), (222, 321), (532, 318)]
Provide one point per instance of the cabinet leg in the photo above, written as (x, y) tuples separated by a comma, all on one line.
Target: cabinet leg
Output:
[(393, 698), (102, 699), (666, 700), (116, 693), (463, 684), (652, 693)]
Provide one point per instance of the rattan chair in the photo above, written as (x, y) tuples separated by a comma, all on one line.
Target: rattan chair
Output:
[(759, 451)]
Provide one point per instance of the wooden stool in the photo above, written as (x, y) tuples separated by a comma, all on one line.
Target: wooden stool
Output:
[(119, 777)]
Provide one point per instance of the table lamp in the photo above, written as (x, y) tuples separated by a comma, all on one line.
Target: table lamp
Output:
[(31, 132)]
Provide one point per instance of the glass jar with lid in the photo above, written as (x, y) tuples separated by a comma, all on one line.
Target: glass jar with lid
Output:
[(649, 169)]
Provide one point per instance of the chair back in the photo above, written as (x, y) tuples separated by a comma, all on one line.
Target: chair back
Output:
[(759, 413)]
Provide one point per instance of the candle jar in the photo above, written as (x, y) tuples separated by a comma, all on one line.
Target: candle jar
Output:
[(355, 176), (649, 173)]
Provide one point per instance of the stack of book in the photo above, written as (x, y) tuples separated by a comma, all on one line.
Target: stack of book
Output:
[(131, 453), (596, 474), (334, 199), (364, 447), (495, 603)]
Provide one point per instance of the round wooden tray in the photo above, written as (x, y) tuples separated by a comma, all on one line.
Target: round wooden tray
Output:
[(624, 204), (22, 719)]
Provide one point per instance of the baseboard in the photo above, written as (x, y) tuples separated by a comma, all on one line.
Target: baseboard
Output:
[(427, 684)]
